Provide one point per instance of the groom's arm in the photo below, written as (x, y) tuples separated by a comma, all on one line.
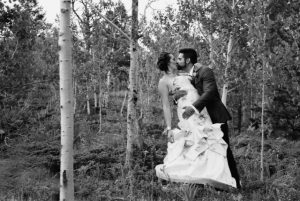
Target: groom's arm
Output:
[(210, 90), (210, 93)]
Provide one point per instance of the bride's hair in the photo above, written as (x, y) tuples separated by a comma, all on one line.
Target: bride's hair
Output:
[(163, 61)]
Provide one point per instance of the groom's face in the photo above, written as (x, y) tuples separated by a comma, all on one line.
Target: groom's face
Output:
[(181, 64)]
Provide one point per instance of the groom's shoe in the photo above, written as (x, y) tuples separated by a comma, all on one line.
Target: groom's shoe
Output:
[(164, 182), (239, 185), (165, 186)]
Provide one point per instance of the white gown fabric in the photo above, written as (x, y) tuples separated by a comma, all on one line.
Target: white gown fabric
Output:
[(198, 153)]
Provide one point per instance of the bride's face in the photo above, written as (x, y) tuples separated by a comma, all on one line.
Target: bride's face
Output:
[(172, 64)]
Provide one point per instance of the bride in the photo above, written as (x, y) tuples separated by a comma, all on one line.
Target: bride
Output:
[(196, 152)]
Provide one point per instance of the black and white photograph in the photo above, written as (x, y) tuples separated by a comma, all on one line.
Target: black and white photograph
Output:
[(149, 100)]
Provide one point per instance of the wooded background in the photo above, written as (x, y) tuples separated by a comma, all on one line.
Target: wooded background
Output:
[(252, 46)]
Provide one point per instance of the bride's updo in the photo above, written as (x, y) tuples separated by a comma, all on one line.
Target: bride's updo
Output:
[(163, 61)]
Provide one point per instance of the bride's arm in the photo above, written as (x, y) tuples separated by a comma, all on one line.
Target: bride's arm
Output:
[(164, 94)]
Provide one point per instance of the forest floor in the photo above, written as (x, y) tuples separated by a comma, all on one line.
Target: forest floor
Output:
[(29, 163)]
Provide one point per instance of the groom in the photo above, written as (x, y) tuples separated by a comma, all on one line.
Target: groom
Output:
[(205, 83)]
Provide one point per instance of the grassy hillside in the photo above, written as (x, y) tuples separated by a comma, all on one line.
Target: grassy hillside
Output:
[(29, 159)]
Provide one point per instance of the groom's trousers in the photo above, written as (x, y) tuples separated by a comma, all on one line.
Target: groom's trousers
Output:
[(230, 158)]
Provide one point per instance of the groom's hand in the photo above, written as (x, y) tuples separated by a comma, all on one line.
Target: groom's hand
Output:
[(189, 111)]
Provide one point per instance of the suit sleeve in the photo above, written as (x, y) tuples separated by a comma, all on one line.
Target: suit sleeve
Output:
[(210, 89)]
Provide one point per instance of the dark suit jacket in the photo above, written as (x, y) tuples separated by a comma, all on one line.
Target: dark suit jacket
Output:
[(205, 83)]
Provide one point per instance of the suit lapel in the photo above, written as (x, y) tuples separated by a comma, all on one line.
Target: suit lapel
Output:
[(196, 78), (196, 69)]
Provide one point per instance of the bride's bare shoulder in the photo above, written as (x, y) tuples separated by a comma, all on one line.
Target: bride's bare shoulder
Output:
[(163, 82), (166, 80)]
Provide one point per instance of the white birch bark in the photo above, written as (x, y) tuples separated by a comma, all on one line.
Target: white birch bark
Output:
[(100, 112), (210, 41), (100, 101), (123, 103), (132, 95), (95, 97), (265, 59), (94, 81), (264, 67), (262, 121), (211, 53), (75, 95), (108, 81), (228, 59), (228, 65), (66, 103), (88, 106)]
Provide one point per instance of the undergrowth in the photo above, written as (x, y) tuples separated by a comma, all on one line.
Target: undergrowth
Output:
[(30, 161)]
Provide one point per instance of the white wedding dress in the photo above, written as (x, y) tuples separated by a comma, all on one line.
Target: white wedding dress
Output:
[(198, 153)]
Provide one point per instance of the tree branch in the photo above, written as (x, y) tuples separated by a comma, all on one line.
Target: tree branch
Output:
[(232, 89), (13, 54), (148, 5), (233, 6), (205, 37), (75, 12), (110, 22)]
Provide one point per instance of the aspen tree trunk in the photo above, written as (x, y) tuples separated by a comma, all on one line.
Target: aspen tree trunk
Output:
[(210, 41), (74, 86), (100, 101), (264, 67), (228, 65), (245, 110), (251, 90), (94, 82), (211, 53), (123, 103), (66, 103), (88, 107), (75, 95), (95, 97), (100, 112), (265, 58), (228, 61), (132, 95), (108, 80)]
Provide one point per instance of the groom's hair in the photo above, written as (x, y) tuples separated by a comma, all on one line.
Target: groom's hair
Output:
[(163, 61), (189, 53)]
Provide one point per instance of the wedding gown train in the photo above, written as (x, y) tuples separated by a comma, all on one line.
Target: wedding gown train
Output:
[(198, 153)]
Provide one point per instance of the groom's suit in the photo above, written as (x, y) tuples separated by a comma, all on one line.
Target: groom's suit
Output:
[(205, 83)]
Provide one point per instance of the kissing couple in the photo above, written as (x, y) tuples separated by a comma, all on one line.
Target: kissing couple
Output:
[(198, 149)]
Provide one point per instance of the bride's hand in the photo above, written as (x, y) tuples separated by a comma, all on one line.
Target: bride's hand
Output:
[(165, 132), (170, 136)]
